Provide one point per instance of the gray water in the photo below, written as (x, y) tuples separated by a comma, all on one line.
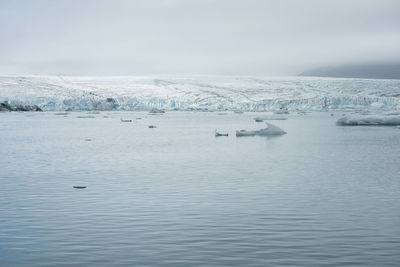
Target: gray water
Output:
[(321, 195)]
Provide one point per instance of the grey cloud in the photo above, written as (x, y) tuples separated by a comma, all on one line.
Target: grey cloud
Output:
[(194, 36)]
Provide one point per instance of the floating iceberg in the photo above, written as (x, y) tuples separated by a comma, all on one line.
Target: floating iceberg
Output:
[(79, 187), (86, 117), (281, 111), (156, 111), (363, 120), (269, 118), (217, 134), (271, 130)]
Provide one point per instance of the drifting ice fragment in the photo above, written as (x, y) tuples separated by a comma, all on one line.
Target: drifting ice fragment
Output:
[(122, 120), (156, 111), (269, 118), (152, 126), (217, 134), (385, 120), (282, 111), (271, 130), (86, 117)]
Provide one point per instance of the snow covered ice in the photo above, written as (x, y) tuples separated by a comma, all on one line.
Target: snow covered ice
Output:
[(270, 130), (204, 93), (363, 120)]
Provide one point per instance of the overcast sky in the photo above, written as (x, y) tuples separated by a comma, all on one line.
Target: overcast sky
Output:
[(232, 37)]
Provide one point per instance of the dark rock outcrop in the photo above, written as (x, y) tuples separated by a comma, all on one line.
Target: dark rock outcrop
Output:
[(8, 107), (111, 104), (5, 107)]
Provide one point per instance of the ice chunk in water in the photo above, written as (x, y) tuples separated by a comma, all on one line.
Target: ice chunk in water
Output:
[(271, 130), (362, 120)]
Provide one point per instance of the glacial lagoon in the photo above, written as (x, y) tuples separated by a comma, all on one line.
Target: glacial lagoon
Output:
[(176, 195)]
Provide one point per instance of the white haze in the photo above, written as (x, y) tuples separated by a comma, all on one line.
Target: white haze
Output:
[(228, 37)]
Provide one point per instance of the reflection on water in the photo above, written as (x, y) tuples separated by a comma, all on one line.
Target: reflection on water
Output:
[(176, 195)]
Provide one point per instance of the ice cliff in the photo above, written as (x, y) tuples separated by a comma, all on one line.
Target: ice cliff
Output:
[(57, 93)]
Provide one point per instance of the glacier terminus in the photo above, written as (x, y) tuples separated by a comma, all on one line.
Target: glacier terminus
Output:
[(199, 93)]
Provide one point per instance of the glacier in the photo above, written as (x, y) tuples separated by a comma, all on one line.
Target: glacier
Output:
[(200, 93)]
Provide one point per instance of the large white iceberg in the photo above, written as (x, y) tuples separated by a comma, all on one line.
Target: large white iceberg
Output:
[(364, 120), (271, 130)]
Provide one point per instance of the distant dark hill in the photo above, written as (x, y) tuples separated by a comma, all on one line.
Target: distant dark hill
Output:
[(368, 71)]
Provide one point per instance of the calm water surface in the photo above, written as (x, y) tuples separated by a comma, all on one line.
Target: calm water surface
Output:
[(322, 195)]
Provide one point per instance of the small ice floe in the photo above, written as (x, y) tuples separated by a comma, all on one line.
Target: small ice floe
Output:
[(93, 112), (152, 126), (269, 118), (86, 117), (88, 139), (238, 111), (138, 118), (156, 111), (79, 187), (281, 111), (360, 120), (222, 113), (217, 134), (61, 113), (122, 120), (271, 130)]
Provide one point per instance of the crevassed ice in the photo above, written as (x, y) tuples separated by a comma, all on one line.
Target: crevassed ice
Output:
[(58, 93)]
